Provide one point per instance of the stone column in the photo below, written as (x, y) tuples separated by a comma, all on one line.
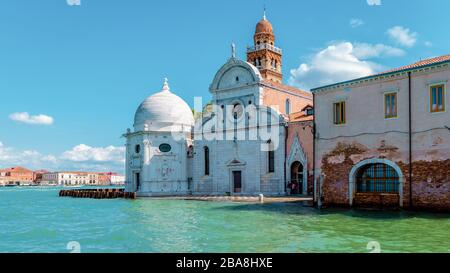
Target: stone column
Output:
[(145, 175), (146, 152), (128, 173)]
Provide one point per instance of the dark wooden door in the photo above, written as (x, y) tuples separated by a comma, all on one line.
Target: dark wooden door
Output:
[(138, 181), (237, 181)]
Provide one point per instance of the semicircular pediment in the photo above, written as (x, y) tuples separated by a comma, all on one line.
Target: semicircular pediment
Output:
[(235, 73)]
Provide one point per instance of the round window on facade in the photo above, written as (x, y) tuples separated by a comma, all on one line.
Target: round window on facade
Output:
[(137, 148), (165, 148)]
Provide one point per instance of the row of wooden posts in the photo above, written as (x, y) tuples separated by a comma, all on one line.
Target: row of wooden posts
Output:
[(97, 193)]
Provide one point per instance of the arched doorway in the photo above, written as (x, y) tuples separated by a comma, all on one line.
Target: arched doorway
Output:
[(297, 176)]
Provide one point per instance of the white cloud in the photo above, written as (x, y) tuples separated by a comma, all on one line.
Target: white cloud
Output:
[(366, 51), (428, 44), (86, 153), (374, 2), (354, 23), (81, 157), (27, 118), (403, 36), (338, 62), (10, 157)]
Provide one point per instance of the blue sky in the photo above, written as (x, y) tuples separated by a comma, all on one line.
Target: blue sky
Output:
[(86, 68)]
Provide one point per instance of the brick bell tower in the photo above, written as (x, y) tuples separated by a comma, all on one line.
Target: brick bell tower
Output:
[(264, 55)]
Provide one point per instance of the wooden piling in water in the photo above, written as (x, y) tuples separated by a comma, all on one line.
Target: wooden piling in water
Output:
[(97, 193)]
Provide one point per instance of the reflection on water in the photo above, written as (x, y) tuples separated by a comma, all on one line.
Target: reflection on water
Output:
[(37, 220)]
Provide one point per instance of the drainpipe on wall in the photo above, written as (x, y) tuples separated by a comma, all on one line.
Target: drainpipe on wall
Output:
[(410, 139), (314, 148), (286, 127)]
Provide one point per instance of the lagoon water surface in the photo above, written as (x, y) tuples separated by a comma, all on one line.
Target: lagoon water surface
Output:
[(37, 220)]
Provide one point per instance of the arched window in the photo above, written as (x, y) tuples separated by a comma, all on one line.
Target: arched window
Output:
[(190, 151), (137, 148), (238, 110), (206, 150), (271, 157), (273, 63), (288, 107), (377, 178)]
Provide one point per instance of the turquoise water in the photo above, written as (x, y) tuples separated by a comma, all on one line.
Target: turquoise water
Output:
[(37, 220)]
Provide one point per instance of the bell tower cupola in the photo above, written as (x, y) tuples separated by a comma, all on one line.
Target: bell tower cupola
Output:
[(264, 54)]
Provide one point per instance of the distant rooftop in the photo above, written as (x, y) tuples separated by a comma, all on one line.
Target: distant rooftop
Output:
[(419, 64)]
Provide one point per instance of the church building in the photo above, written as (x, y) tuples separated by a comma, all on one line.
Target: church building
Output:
[(257, 139)]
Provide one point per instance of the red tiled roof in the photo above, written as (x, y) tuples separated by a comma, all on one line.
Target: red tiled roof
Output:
[(300, 116), (17, 168), (307, 106), (286, 88), (421, 63)]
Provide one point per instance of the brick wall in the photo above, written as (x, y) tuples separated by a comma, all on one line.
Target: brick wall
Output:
[(430, 180)]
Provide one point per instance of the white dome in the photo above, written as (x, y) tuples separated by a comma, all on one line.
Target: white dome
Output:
[(163, 111)]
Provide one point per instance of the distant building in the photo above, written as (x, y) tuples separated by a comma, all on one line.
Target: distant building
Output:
[(384, 140), (111, 178), (16, 176), (50, 179), (37, 175), (104, 178), (117, 179), (2, 181), (71, 178)]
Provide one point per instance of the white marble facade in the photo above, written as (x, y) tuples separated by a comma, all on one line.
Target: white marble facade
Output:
[(238, 146), (156, 151)]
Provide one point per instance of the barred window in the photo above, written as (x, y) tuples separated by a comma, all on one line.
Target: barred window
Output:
[(377, 178)]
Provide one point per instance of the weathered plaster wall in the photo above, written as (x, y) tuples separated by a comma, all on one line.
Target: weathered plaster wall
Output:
[(368, 134)]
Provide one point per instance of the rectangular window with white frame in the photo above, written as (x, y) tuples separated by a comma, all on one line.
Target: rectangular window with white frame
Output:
[(437, 98), (390, 105)]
